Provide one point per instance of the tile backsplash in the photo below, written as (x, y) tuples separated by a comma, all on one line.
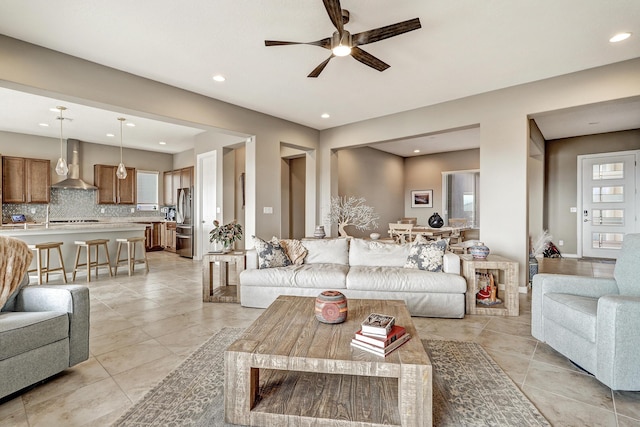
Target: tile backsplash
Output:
[(69, 204)]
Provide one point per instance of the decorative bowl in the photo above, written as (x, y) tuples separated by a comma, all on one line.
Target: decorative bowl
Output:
[(374, 236)]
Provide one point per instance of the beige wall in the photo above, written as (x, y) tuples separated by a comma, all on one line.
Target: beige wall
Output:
[(535, 176), (27, 67), (425, 173), (561, 179), (378, 177), (504, 142)]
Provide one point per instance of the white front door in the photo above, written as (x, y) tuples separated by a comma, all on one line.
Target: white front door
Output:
[(609, 202)]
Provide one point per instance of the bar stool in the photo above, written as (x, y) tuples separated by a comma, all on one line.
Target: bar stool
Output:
[(131, 253), (45, 268), (88, 244)]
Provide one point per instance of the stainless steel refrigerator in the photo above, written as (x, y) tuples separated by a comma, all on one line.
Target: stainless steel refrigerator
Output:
[(184, 223)]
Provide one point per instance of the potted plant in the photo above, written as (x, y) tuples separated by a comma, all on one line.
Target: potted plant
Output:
[(226, 235), (351, 211)]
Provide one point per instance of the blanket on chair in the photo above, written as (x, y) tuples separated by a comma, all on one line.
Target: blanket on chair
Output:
[(15, 257)]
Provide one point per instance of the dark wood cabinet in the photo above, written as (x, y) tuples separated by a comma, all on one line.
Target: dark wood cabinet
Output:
[(112, 190), (26, 180), (168, 237), (153, 236)]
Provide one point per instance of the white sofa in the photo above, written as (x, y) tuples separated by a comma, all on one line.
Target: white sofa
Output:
[(359, 269)]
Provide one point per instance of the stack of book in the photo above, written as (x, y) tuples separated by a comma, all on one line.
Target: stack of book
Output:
[(380, 335)]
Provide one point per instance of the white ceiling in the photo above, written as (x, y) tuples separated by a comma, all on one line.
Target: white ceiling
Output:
[(464, 47)]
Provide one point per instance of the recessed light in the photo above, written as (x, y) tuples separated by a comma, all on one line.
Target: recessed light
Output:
[(619, 37), (593, 123), (325, 116), (162, 143), (219, 78), (131, 125), (110, 135), (416, 151), (44, 125)]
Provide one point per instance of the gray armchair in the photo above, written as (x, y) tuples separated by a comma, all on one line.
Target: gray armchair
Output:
[(594, 322)]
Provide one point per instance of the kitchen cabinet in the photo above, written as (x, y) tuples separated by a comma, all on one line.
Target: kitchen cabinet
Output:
[(25, 180), (169, 197), (179, 178), (153, 236), (186, 177), (169, 236), (112, 190)]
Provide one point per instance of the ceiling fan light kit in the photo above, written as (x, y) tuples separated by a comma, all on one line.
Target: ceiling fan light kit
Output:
[(342, 43)]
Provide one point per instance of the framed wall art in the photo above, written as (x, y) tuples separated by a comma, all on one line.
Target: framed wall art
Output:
[(421, 198)]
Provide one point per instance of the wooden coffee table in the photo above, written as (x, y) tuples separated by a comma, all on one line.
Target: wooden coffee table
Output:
[(289, 369)]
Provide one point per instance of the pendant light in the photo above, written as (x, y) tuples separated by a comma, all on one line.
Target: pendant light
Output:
[(121, 173), (61, 166)]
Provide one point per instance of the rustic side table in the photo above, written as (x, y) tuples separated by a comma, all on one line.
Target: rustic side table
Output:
[(505, 272), (223, 292)]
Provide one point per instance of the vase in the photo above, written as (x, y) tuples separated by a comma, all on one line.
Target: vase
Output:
[(331, 307), (436, 221), (319, 233), (479, 251)]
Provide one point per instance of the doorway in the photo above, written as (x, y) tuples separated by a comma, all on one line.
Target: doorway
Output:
[(294, 197), (208, 210), (607, 202)]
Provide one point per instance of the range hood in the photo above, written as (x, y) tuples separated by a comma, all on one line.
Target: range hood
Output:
[(74, 155)]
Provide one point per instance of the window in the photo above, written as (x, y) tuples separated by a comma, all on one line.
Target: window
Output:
[(461, 194), (147, 191)]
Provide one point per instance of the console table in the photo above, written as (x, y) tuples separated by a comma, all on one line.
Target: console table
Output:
[(505, 272), (223, 292)]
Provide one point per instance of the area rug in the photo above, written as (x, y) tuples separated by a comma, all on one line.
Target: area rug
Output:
[(469, 390)]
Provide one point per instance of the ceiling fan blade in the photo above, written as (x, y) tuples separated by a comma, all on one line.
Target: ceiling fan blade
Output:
[(325, 43), (382, 33), (316, 71), (335, 13), (368, 59)]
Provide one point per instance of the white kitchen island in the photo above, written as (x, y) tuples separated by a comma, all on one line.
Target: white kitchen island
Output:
[(69, 233)]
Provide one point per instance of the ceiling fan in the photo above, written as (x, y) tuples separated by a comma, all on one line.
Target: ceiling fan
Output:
[(343, 43)]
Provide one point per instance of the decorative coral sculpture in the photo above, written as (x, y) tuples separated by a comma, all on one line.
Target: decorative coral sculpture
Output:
[(351, 211)]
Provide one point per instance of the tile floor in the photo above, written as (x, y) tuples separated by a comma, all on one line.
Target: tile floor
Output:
[(143, 327)]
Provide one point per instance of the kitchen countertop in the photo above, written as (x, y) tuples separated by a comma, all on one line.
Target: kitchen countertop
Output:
[(17, 230)]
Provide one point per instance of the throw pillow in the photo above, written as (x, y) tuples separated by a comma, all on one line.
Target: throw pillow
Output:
[(270, 254), (426, 256), (295, 250)]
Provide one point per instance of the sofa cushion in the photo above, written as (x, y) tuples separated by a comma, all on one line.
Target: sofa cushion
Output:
[(372, 253), (294, 249), (404, 279), (426, 255), (320, 276), (575, 313), (24, 331), (326, 251), (270, 254)]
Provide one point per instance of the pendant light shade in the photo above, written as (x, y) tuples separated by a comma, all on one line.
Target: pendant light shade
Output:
[(121, 173), (61, 165)]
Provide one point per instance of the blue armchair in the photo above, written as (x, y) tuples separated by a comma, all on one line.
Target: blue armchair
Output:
[(594, 322)]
